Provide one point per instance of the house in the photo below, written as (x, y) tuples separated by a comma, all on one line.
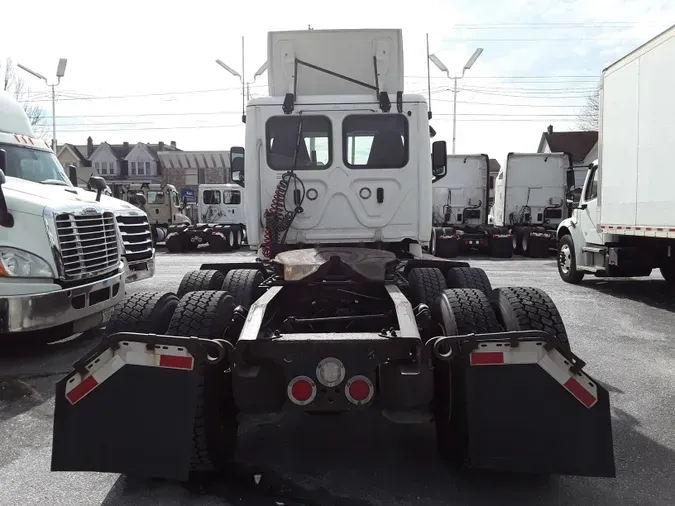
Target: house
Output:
[(188, 169), (581, 145), (70, 154)]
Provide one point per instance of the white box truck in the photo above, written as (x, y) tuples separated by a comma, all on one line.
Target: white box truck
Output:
[(460, 211), (624, 224), (62, 249), (531, 193)]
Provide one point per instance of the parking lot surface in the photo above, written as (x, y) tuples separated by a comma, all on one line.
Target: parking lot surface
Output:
[(623, 329)]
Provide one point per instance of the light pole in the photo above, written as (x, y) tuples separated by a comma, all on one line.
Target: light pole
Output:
[(245, 86), (439, 64), (60, 72)]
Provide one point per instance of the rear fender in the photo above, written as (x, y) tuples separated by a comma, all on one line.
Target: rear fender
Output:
[(129, 406), (527, 406)]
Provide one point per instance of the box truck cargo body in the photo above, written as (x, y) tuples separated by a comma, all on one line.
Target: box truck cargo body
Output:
[(624, 224)]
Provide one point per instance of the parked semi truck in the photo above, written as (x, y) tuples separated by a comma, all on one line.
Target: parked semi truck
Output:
[(161, 203), (222, 223), (65, 252), (341, 311), (460, 211), (624, 223), (531, 193)]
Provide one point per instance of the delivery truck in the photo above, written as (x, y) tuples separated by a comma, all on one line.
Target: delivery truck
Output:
[(624, 223)]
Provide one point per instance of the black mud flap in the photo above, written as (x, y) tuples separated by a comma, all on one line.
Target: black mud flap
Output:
[(129, 407), (528, 407)]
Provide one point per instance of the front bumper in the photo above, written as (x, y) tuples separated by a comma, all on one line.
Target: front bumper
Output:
[(82, 305), (138, 270)]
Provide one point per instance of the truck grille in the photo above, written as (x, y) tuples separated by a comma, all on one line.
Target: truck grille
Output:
[(88, 244), (136, 236)]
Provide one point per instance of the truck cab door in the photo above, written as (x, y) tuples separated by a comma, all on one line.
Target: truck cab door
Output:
[(587, 212), (232, 207)]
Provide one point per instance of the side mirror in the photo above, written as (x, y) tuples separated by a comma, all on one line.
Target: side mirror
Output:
[(72, 175), (97, 183), (570, 179), (6, 218), (439, 159)]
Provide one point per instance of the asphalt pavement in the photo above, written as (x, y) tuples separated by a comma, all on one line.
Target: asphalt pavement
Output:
[(623, 329)]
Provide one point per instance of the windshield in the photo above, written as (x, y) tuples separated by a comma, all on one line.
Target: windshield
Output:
[(155, 197), (33, 165)]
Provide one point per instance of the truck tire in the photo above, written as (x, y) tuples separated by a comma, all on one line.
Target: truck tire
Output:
[(243, 285), (567, 261), (517, 233), (175, 244), (668, 273), (142, 312), (525, 308), (207, 314), (459, 311), (426, 284), (501, 247), (469, 277), (200, 280)]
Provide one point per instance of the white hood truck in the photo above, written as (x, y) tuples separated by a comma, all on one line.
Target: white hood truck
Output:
[(531, 193), (222, 222), (342, 311), (624, 224), (61, 256), (460, 213)]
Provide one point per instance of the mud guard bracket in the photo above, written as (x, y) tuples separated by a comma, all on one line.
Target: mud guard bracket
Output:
[(133, 410)]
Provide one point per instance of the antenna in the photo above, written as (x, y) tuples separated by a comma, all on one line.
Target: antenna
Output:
[(428, 78), (243, 87)]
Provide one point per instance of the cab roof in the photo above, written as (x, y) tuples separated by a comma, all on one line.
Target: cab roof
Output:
[(13, 119)]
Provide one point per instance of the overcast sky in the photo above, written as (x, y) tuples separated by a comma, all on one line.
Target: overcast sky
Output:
[(145, 71)]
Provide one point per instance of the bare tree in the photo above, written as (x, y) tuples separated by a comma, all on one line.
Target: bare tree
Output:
[(15, 85), (588, 117)]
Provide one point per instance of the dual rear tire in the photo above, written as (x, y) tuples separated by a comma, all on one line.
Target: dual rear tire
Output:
[(472, 306), (204, 307)]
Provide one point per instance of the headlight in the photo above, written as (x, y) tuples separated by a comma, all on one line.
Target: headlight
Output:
[(21, 264)]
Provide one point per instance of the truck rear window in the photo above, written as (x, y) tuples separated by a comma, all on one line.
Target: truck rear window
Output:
[(375, 141), (314, 150)]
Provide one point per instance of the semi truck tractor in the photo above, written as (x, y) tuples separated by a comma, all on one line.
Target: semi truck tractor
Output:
[(63, 260), (222, 223), (531, 193), (341, 310), (162, 204), (624, 223), (460, 211)]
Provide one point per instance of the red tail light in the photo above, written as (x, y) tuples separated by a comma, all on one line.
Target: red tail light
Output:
[(301, 390), (359, 390)]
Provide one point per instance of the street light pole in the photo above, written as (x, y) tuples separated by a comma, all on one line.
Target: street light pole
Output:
[(439, 64), (245, 85), (60, 72)]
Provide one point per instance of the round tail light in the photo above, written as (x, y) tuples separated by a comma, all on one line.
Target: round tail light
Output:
[(301, 390), (359, 390)]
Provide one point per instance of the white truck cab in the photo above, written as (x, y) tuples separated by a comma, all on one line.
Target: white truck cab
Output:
[(330, 159), (62, 256)]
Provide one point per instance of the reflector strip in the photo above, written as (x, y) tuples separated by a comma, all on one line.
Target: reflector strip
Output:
[(175, 362), (129, 353), (553, 362)]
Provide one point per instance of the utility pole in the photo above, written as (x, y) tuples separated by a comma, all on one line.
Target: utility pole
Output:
[(441, 66), (60, 72)]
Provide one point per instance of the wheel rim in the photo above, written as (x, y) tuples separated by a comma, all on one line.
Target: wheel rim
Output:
[(565, 259)]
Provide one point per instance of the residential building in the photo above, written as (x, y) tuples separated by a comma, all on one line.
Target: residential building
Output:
[(188, 169), (70, 154), (581, 145)]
